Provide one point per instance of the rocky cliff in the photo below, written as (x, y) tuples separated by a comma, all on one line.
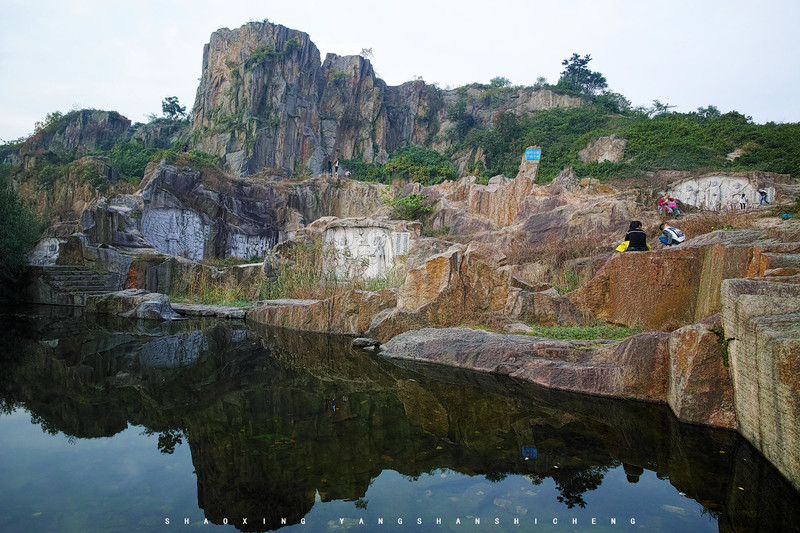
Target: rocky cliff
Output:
[(77, 133), (267, 103)]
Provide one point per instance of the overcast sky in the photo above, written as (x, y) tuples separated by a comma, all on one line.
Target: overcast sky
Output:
[(59, 55)]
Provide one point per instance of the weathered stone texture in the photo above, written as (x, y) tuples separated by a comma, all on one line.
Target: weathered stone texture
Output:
[(604, 149), (700, 386), (79, 132), (349, 313), (133, 303), (634, 369), (668, 288), (762, 320), (265, 104), (720, 191)]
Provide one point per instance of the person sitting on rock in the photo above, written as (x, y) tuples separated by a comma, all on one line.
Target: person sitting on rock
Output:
[(671, 236), (637, 238), (662, 205), (672, 205)]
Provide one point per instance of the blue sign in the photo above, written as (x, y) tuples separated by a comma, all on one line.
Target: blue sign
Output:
[(533, 154), (530, 453)]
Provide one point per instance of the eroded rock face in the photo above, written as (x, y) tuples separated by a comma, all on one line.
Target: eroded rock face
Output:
[(115, 221), (349, 313), (72, 190), (364, 247), (180, 216), (79, 132), (510, 212), (604, 149)]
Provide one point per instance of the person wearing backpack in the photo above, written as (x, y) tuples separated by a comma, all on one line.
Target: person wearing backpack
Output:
[(671, 236)]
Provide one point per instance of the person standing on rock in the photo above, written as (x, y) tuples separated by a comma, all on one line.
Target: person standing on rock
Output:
[(743, 201), (671, 236), (637, 238), (330, 167), (336, 166), (763, 194)]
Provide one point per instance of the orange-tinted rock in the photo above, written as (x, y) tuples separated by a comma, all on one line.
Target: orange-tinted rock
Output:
[(700, 386), (349, 313), (668, 288)]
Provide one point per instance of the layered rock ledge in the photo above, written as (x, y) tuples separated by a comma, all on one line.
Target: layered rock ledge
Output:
[(683, 369)]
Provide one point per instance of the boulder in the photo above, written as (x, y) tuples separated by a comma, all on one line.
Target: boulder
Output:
[(700, 385), (684, 369), (133, 303)]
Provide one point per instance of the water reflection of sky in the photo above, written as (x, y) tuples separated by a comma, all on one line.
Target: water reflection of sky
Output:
[(120, 483), (59, 483)]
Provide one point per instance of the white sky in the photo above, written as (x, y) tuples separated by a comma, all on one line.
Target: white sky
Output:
[(56, 55)]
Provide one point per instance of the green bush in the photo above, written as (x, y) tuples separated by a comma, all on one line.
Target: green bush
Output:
[(413, 164), (675, 141), (260, 55), (19, 232), (410, 207), (129, 159), (420, 165)]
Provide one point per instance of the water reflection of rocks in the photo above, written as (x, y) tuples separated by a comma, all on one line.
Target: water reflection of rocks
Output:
[(274, 418)]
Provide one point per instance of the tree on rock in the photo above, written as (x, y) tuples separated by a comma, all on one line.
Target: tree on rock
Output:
[(172, 109), (577, 78)]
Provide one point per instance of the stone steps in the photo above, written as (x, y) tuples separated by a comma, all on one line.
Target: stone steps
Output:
[(77, 280)]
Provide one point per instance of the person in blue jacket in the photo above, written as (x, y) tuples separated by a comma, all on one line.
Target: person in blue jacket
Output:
[(671, 236)]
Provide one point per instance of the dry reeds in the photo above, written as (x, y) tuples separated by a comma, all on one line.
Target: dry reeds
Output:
[(707, 221), (556, 256), (318, 271)]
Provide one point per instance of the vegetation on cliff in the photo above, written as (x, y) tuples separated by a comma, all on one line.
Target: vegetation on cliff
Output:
[(19, 232), (412, 164), (699, 140), (657, 138)]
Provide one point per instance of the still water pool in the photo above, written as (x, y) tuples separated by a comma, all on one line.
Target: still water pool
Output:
[(116, 425)]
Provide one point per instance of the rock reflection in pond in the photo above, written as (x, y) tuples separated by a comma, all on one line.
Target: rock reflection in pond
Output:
[(277, 420)]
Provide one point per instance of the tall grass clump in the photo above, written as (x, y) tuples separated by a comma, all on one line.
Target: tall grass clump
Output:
[(306, 272), (315, 270), (211, 286)]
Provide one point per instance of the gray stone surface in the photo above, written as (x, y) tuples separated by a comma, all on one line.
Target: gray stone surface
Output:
[(762, 320), (133, 303)]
